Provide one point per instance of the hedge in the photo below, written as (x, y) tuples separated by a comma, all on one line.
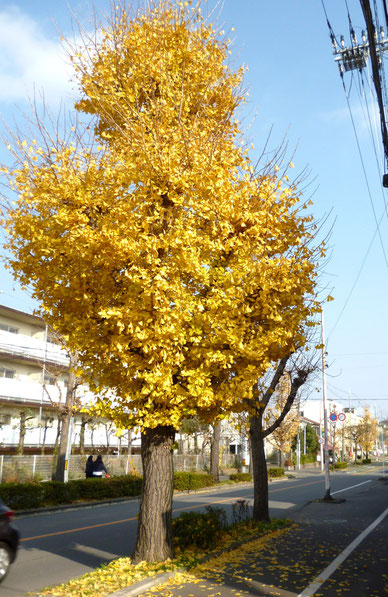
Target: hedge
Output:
[(187, 481), (25, 496), (238, 477), (276, 471), (340, 465)]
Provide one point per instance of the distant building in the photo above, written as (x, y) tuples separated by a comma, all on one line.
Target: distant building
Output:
[(33, 385)]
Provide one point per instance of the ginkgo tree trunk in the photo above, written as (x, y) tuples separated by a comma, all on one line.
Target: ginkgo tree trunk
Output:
[(177, 271)]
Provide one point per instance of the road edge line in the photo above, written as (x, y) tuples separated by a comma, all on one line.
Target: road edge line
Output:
[(325, 574)]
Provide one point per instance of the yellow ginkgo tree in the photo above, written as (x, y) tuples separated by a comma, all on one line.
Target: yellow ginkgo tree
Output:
[(175, 269)]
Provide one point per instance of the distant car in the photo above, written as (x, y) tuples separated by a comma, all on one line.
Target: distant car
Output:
[(9, 540)]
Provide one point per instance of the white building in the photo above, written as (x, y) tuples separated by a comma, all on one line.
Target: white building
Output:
[(340, 418), (33, 385)]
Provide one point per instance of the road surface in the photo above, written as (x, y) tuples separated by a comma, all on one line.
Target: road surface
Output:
[(61, 545)]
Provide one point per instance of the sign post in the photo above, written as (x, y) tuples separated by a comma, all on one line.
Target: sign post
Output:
[(327, 463)]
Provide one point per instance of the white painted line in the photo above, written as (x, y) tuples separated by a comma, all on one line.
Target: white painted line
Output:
[(358, 485), (280, 505), (318, 582)]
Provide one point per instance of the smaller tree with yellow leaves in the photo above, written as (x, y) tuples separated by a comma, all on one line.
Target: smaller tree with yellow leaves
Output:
[(368, 431)]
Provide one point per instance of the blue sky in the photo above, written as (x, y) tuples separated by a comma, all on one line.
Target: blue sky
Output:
[(294, 86)]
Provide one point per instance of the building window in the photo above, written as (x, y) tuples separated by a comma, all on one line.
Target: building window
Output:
[(49, 380), (5, 419), (9, 328), (9, 373)]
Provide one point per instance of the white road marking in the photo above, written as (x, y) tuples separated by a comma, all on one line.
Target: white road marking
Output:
[(99, 553), (318, 582), (346, 488), (280, 505)]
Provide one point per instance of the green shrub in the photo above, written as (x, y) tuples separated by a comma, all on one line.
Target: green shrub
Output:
[(366, 461), (188, 481), (22, 496), (199, 529), (56, 492), (308, 458), (340, 464), (239, 477), (276, 471)]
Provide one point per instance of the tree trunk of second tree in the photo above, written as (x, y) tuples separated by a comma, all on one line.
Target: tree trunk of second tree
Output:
[(61, 459), (22, 432), (154, 532), (215, 451), (259, 469)]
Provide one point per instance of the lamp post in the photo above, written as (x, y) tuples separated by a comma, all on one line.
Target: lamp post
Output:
[(326, 444)]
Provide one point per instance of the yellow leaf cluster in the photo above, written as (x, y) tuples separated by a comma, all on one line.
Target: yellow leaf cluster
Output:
[(176, 272)]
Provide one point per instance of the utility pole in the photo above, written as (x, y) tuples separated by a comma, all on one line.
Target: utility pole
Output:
[(372, 46), (327, 463)]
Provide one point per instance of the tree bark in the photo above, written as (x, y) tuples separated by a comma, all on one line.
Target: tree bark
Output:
[(61, 457), (215, 451), (84, 421), (260, 474), (70, 395), (281, 457), (154, 533), (22, 434)]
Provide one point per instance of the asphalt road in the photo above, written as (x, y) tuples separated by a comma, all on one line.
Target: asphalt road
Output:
[(61, 545)]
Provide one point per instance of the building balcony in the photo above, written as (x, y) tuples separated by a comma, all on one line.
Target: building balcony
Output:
[(14, 391), (18, 346)]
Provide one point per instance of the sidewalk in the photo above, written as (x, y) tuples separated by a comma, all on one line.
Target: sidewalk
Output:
[(281, 564)]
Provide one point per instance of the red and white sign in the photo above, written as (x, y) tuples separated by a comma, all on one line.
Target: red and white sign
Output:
[(341, 417)]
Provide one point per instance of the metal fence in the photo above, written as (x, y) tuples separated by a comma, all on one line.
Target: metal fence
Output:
[(20, 469)]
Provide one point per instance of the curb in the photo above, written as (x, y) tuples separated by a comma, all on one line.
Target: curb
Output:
[(78, 505), (143, 585)]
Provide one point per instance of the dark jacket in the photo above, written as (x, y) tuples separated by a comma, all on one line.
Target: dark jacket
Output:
[(89, 467), (99, 466)]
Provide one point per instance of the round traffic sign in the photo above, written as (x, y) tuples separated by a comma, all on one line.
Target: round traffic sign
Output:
[(341, 417), (321, 441), (333, 417)]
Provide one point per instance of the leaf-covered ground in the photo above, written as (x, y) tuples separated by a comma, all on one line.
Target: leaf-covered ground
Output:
[(121, 572)]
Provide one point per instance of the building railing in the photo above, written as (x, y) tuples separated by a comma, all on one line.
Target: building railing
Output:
[(33, 349)]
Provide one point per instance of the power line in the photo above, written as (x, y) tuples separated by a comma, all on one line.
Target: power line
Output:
[(355, 281)]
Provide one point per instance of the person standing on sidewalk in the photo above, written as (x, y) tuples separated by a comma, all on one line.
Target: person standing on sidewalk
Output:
[(99, 468), (89, 467)]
